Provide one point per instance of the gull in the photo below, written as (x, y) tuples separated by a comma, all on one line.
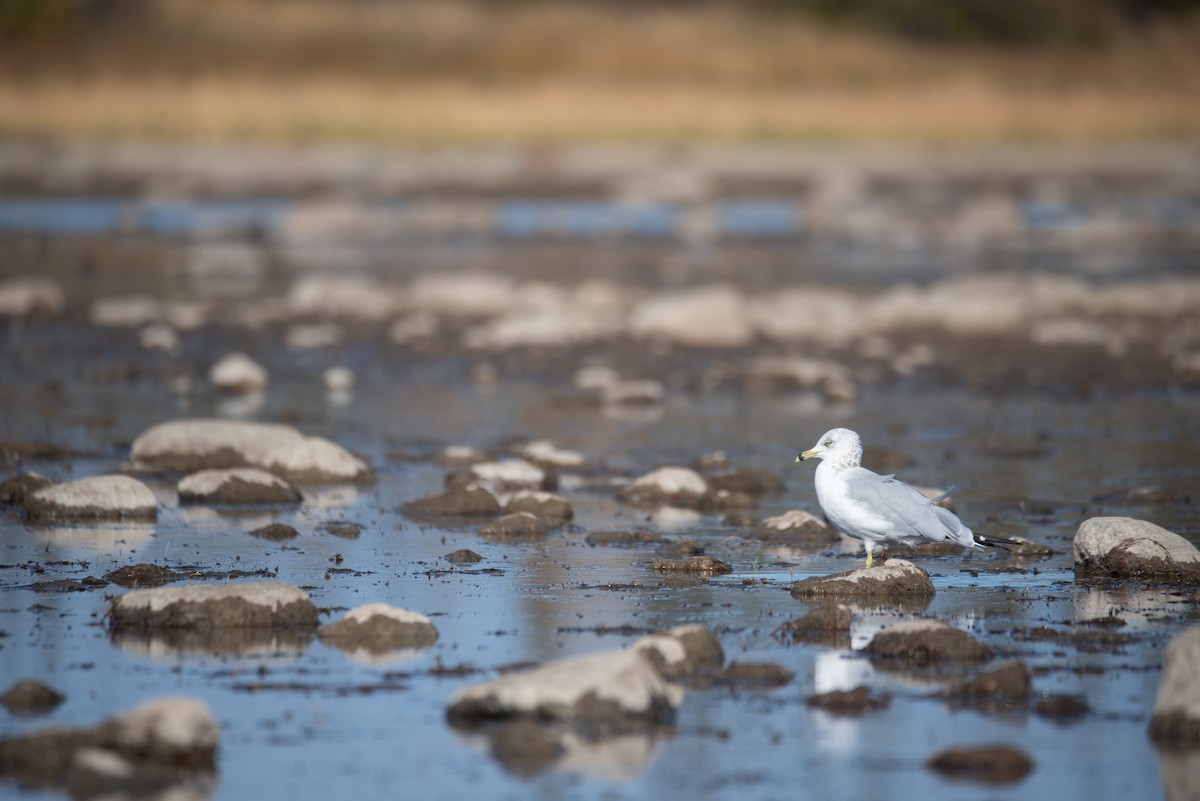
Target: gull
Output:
[(879, 509)]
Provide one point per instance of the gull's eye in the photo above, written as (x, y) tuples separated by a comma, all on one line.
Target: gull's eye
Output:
[(827, 443)]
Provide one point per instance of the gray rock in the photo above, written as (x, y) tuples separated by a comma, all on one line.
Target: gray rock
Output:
[(1003, 688), (1176, 716), (238, 374), (93, 499), (378, 628), (682, 651), (826, 625), (463, 556), (29, 697), (208, 608), (749, 480), (624, 538), (674, 486), (697, 565), (515, 527), (705, 317), (15, 491), (161, 741), (1125, 548), (920, 643), (30, 295), (553, 509), (239, 486), (848, 703), (141, 575), (464, 503), (275, 532), (894, 580), (185, 446), (753, 675), (797, 529), (997, 764), (606, 692)]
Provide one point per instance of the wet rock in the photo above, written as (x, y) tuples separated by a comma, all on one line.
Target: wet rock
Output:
[(553, 509), (516, 527), (275, 532), (749, 480), (467, 294), (1125, 548), (460, 456), (93, 499), (208, 608), (825, 625), (706, 317), (349, 296), (1176, 716), (545, 453), (463, 556), (28, 296), (796, 528), (238, 374), (239, 486), (347, 531), (682, 651), (159, 336), (508, 474), (633, 392), (125, 311), (624, 538), (671, 486), (754, 675), (378, 628), (15, 491), (141, 575), (1002, 688), (895, 579), (726, 500), (1062, 708), (985, 764), (848, 703), (606, 692), (1157, 496), (185, 446), (1026, 548), (789, 373), (28, 698), (698, 565), (338, 379), (920, 643), (677, 549), (161, 740), (307, 336), (463, 503)]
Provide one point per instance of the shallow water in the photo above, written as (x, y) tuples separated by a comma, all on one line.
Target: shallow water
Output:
[(302, 720)]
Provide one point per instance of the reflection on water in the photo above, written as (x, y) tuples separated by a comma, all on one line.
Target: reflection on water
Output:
[(104, 537)]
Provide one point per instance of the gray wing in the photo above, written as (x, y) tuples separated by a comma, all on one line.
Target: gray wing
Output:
[(913, 515)]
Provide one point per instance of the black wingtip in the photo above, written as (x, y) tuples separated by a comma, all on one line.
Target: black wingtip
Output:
[(994, 542)]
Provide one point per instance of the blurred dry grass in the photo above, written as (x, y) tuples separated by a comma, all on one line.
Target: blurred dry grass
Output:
[(460, 72)]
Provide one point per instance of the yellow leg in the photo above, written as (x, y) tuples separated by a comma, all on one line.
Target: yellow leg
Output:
[(870, 556)]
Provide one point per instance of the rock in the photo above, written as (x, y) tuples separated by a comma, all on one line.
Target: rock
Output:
[(624, 538), (460, 456), (1002, 688), (682, 651), (754, 675), (338, 379), (726, 500), (414, 328), (238, 374), (776, 373), (465, 503), (672, 486), (699, 565), (463, 556), (825, 625), (30, 295), (28, 697), (516, 527), (633, 392), (1026, 548), (158, 742), (185, 446), (141, 575), (350, 296), (308, 336), (920, 643), (1175, 719), (895, 579), (468, 294), (126, 311), (15, 491), (986, 764), (554, 510), (159, 336), (606, 693), (208, 608), (526, 747), (275, 532), (544, 453), (347, 531), (796, 529), (239, 486), (675, 549), (706, 317), (508, 474), (1061, 708), (848, 703), (93, 499), (1125, 548), (378, 628), (749, 480)]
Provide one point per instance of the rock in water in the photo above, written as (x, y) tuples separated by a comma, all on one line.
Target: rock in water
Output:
[(93, 499), (1126, 548), (378, 628), (1176, 716), (241, 486)]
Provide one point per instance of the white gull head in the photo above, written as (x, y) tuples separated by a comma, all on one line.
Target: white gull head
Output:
[(840, 447)]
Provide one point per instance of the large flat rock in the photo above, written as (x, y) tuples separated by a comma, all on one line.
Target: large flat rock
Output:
[(251, 605), (895, 579), (97, 498), (1127, 548)]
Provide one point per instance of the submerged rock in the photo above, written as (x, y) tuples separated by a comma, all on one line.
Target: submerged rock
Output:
[(238, 374), (1002, 688), (275, 532), (749, 480), (997, 764), (463, 556), (15, 491), (185, 446), (141, 575), (516, 527), (796, 528), (848, 703), (700, 565), (895, 579), (825, 625), (682, 651), (508, 474), (466, 503), (606, 692), (754, 675), (1176, 716), (1126, 548), (920, 643), (672, 486), (93, 499), (254, 605), (1062, 708), (154, 745), (553, 509), (378, 628), (239, 486), (28, 697), (624, 538)]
